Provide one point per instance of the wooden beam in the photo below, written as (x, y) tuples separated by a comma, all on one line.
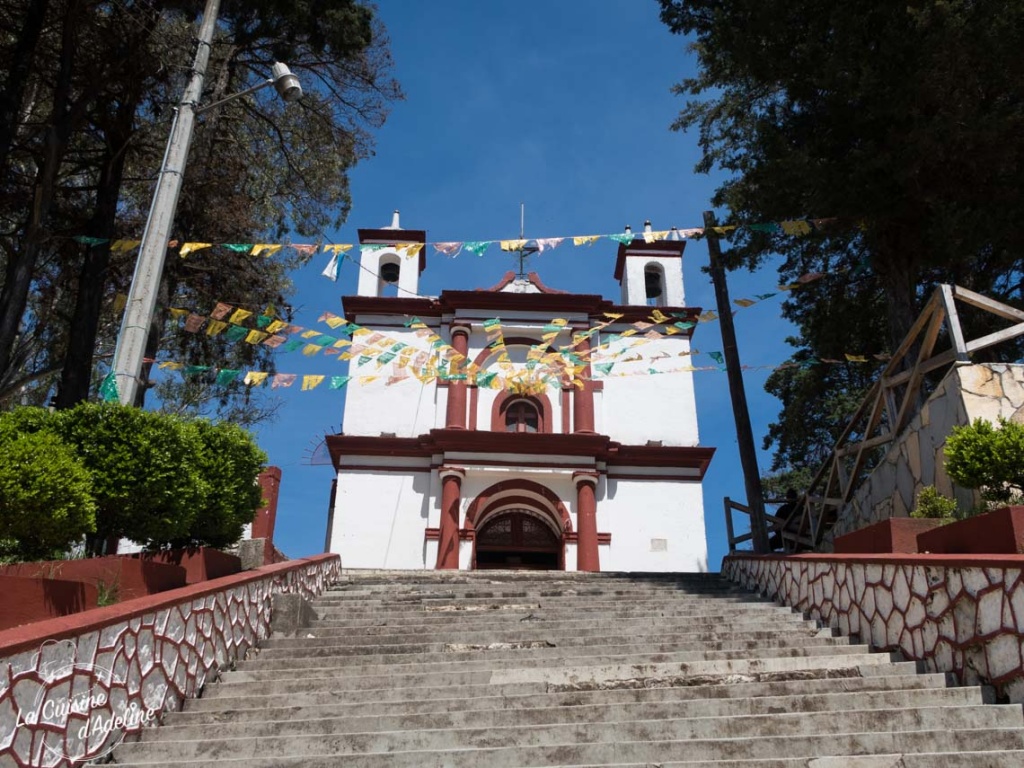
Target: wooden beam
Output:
[(994, 338), (990, 305), (956, 331), (728, 523), (866, 444)]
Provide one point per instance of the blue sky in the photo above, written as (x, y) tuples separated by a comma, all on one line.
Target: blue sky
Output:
[(563, 106)]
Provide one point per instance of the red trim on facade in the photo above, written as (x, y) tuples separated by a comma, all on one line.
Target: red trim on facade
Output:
[(388, 305), (593, 306), (566, 426), (532, 464), (599, 447), (482, 502), (603, 539), (638, 476), (455, 415), (384, 468), (640, 247)]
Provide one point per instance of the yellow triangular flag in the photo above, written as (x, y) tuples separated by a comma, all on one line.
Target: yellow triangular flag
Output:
[(239, 316), (511, 245), (188, 248), (255, 337), (177, 314), (338, 248), (310, 349), (659, 317), (650, 237), (276, 326), (123, 246), (311, 382), (255, 378), (856, 358), (215, 327), (267, 249), (744, 302), (169, 366), (585, 239)]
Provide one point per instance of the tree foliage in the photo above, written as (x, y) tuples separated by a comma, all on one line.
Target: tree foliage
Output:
[(89, 118), (990, 459), (46, 500), (155, 478), (229, 461), (904, 122), (145, 479)]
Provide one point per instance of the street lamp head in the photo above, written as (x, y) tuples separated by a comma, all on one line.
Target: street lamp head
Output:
[(285, 82)]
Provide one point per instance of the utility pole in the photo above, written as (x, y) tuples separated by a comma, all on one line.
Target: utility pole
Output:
[(744, 433), (138, 314)]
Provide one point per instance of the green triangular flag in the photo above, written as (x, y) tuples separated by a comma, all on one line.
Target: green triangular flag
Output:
[(337, 382), (236, 333), (239, 247), (604, 368), (717, 357), (108, 389), (262, 321), (292, 345), (226, 375)]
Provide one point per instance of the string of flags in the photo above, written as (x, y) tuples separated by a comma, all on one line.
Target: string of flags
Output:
[(518, 382), (451, 249), (546, 365)]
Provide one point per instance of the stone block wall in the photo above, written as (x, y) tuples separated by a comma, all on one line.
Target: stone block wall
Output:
[(71, 688), (956, 614), (917, 458)]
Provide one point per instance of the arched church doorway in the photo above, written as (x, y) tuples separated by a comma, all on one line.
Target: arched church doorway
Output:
[(519, 539)]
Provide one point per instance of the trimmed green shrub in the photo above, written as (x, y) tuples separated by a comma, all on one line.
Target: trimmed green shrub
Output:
[(982, 457), (46, 499), (147, 485), (229, 461), (933, 505)]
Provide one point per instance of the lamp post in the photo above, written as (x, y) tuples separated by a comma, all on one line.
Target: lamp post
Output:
[(138, 314)]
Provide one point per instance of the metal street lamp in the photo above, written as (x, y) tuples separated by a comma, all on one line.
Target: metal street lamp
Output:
[(138, 314)]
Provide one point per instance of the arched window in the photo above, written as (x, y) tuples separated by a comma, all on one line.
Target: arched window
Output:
[(521, 416)]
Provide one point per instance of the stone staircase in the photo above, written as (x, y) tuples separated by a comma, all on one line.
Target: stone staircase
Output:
[(493, 669)]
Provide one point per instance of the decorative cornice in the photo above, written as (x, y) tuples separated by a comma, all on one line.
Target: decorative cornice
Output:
[(527, 444)]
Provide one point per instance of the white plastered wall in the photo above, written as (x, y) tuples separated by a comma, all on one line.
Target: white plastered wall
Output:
[(407, 408), (656, 525), (381, 517)]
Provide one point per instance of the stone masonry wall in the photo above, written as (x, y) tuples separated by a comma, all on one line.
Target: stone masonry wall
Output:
[(72, 688), (955, 614), (917, 458)]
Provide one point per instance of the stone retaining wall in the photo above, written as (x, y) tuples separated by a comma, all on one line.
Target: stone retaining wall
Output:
[(957, 614), (72, 687)]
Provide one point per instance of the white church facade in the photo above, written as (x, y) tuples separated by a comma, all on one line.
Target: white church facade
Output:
[(597, 467)]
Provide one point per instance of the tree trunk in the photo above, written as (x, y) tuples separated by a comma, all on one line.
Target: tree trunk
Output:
[(21, 265), (13, 93), (76, 376)]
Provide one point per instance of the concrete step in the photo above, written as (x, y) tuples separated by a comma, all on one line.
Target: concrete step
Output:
[(456, 616), (645, 633), (410, 664), (903, 677), (575, 676), (541, 642), (535, 727), (500, 621), (574, 745), (596, 706)]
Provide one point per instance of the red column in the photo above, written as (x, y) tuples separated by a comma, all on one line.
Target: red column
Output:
[(448, 541), (455, 416), (583, 399), (586, 521)]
